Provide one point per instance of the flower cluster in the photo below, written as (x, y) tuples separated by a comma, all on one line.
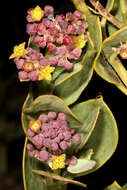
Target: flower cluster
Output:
[(51, 137), (61, 37)]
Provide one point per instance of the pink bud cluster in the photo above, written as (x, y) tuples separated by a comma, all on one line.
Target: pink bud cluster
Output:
[(56, 34), (29, 65), (53, 137)]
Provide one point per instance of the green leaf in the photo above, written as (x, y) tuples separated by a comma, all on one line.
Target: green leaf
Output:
[(108, 66), (124, 187), (77, 81), (88, 113), (44, 104), (82, 165), (114, 186), (104, 137), (119, 10)]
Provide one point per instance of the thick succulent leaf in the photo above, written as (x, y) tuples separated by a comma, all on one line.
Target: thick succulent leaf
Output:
[(119, 10), (88, 115), (82, 165), (70, 88), (108, 66), (114, 186), (44, 104), (104, 138), (124, 187)]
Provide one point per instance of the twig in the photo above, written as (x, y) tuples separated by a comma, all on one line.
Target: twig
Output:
[(106, 14)]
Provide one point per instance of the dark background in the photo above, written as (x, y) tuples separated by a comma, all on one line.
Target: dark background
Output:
[(13, 94)]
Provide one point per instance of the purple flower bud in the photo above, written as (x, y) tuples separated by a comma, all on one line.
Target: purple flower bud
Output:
[(72, 160), (61, 63), (70, 29), (30, 133), (52, 115), (62, 116), (54, 124), (77, 138), (19, 63), (29, 147), (44, 62), (38, 141), (37, 39), (48, 10), (57, 140), (58, 152), (41, 28), (52, 133), (62, 50), (53, 60), (45, 127), (60, 136), (33, 75), (63, 145), (77, 14), (23, 75), (75, 53), (44, 155), (35, 153), (31, 29), (59, 40), (59, 18), (43, 118), (68, 66), (67, 135), (47, 142), (72, 130), (30, 154), (54, 146)]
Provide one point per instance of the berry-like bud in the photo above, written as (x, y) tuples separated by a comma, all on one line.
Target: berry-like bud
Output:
[(33, 75), (43, 155), (31, 29), (23, 75), (43, 118), (62, 116), (19, 63), (48, 10), (30, 133), (77, 138), (52, 115)]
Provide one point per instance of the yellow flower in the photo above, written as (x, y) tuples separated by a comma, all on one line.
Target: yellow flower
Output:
[(35, 125), (45, 72), (58, 161), (79, 41), (37, 13), (18, 51)]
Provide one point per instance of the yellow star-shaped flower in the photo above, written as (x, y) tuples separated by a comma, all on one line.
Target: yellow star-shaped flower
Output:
[(58, 161), (37, 13), (35, 125), (79, 41), (45, 72), (18, 51)]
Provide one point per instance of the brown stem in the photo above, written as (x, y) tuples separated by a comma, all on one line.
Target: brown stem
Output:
[(106, 14)]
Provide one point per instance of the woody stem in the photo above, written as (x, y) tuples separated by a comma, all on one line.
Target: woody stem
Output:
[(106, 14)]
